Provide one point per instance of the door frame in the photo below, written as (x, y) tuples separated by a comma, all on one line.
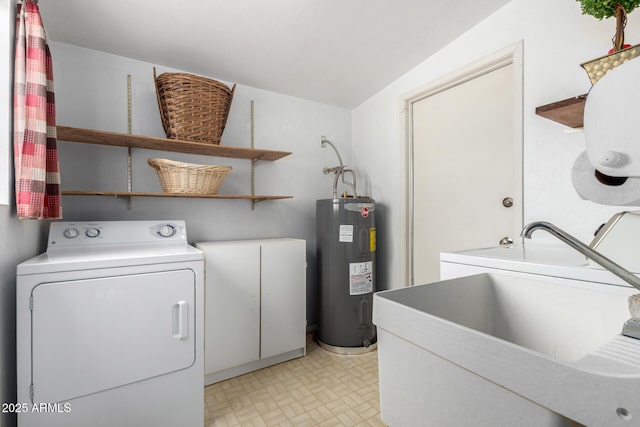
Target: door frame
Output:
[(512, 54)]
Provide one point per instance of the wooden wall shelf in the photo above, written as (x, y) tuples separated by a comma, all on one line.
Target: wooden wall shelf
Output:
[(90, 136), (257, 198), (569, 112)]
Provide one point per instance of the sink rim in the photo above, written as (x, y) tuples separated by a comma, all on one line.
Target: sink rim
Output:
[(592, 364), (529, 311)]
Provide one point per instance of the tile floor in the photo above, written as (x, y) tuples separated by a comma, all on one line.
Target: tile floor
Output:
[(321, 389)]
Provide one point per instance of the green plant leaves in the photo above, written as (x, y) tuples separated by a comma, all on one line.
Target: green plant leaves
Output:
[(606, 8)]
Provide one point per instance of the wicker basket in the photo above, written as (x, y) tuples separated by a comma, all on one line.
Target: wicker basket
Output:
[(178, 177), (598, 67), (192, 107)]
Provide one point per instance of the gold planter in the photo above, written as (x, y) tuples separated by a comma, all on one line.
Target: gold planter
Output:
[(596, 68)]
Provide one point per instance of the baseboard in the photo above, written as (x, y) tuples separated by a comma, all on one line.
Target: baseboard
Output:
[(216, 377)]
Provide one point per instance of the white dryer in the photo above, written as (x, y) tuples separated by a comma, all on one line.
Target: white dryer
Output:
[(110, 327)]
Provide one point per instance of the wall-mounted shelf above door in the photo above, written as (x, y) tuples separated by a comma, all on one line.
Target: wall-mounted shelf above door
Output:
[(569, 112)]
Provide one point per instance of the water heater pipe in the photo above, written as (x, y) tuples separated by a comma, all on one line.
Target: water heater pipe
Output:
[(338, 170)]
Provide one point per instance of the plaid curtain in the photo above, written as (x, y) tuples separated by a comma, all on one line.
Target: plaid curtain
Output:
[(34, 120)]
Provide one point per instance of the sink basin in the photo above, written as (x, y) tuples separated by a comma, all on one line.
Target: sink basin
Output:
[(548, 346), (564, 322)]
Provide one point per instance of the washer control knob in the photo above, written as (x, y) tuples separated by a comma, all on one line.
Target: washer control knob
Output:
[(166, 230), (92, 232), (71, 233)]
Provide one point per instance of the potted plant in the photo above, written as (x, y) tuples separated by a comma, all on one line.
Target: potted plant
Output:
[(606, 9)]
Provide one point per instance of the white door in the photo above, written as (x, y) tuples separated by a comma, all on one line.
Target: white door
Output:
[(284, 289), (466, 168), (232, 304), (95, 334)]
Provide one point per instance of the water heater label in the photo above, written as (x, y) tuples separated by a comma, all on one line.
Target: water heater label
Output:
[(360, 278), (372, 239), (346, 233)]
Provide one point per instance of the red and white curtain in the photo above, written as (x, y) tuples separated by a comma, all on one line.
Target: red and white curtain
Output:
[(37, 174)]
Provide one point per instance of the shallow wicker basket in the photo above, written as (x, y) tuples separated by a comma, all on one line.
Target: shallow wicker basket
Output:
[(193, 107), (179, 177)]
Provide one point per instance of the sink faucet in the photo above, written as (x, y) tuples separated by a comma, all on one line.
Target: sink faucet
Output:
[(632, 326)]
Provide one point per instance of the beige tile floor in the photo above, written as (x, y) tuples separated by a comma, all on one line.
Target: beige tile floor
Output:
[(321, 389)]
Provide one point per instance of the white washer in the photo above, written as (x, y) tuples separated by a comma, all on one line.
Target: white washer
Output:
[(110, 327)]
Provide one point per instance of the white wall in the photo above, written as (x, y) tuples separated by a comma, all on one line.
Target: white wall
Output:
[(91, 92), (557, 38), (7, 17), (19, 240)]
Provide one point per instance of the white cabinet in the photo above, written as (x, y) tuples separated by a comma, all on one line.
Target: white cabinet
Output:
[(255, 304), (232, 304)]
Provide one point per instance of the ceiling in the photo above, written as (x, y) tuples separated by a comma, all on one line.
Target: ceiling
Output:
[(338, 52)]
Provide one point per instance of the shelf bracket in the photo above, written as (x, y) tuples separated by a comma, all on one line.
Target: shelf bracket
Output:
[(253, 161), (129, 167), (129, 177), (121, 196), (255, 201)]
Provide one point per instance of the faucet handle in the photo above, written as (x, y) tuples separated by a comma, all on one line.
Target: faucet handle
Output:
[(631, 327), (634, 306)]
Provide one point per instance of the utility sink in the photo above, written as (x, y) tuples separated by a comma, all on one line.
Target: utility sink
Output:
[(562, 322), (546, 348)]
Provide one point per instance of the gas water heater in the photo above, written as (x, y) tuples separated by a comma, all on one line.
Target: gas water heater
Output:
[(346, 247)]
